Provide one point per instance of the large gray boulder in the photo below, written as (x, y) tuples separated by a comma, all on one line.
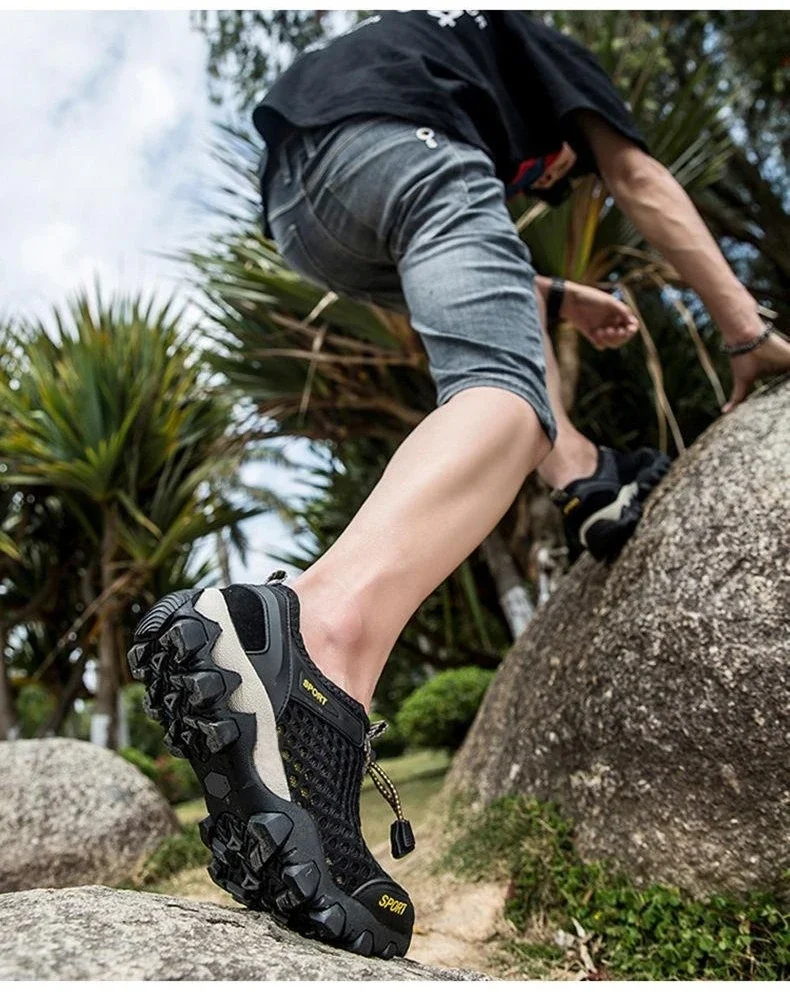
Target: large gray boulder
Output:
[(98, 933), (652, 699), (74, 814)]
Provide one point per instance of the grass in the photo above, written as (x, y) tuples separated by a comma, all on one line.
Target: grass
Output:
[(418, 777), (654, 932)]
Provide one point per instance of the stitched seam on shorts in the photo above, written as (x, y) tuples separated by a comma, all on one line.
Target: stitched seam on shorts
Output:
[(284, 209), (371, 153), (350, 134), (331, 237), (320, 271)]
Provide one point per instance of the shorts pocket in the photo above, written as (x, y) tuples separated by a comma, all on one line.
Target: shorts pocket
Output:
[(294, 251)]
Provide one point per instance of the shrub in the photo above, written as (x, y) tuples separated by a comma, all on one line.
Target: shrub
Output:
[(392, 742), (140, 760), (176, 780), (173, 776), (440, 712), (34, 705)]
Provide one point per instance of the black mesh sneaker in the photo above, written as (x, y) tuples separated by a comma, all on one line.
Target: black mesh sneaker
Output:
[(281, 753), (600, 513)]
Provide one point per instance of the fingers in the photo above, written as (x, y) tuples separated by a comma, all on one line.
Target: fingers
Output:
[(612, 336), (740, 390)]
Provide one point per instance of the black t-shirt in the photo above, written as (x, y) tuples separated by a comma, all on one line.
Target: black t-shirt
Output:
[(500, 80)]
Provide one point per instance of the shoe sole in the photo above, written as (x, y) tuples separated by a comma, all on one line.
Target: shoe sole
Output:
[(606, 537), (266, 850)]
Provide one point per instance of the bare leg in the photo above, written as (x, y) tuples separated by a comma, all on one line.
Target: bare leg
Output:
[(444, 490)]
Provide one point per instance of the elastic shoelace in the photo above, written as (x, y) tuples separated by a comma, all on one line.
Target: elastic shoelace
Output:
[(401, 834)]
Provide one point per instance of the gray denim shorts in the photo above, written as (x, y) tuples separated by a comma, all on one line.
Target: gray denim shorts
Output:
[(407, 218)]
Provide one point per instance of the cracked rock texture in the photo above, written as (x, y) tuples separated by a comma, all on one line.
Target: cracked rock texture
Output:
[(74, 814), (651, 699), (98, 933)]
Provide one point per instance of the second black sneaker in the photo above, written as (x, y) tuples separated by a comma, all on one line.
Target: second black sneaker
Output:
[(281, 753), (601, 512)]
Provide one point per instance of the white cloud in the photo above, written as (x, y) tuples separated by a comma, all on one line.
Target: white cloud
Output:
[(107, 131), (104, 163)]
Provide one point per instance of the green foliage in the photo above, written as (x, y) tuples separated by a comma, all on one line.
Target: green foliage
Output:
[(119, 453), (611, 406), (652, 932), (248, 49), (175, 853), (176, 780), (173, 776), (145, 735), (34, 705), (391, 743), (140, 760), (440, 712)]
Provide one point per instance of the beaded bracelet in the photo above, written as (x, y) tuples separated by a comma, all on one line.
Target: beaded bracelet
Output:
[(747, 347)]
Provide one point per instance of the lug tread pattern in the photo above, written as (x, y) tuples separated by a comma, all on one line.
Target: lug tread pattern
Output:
[(260, 860)]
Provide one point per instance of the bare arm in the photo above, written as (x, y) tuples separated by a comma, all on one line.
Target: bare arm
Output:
[(660, 209)]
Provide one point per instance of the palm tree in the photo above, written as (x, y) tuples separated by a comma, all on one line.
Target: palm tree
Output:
[(108, 414)]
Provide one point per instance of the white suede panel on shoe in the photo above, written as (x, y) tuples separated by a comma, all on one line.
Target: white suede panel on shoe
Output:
[(250, 696)]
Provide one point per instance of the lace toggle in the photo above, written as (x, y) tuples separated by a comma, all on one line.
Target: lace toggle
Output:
[(401, 834)]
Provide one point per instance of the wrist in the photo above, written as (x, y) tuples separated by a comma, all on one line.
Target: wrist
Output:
[(739, 323), (741, 348), (570, 300), (556, 301)]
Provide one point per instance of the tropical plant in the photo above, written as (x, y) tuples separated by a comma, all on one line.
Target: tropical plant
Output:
[(111, 427)]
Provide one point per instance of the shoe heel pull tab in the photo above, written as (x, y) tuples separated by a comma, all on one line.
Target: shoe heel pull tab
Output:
[(401, 838)]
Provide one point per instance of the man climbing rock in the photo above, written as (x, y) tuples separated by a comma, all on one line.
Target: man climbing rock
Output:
[(391, 154)]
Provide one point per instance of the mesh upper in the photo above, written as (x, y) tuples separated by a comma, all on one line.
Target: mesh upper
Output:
[(324, 773)]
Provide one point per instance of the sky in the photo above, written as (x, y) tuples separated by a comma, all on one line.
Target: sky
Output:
[(105, 163)]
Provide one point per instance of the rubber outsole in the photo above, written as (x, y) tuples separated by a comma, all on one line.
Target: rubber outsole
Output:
[(606, 539), (266, 850)]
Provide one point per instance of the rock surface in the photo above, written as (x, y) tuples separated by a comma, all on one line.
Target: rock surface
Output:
[(74, 814), (651, 699), (99, 933)]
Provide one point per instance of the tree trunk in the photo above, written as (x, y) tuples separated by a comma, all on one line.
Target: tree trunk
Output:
[(223, 557), (9, 729), (513, 597), (74, 686), (123, 735), (569, 362), (104, 722)]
